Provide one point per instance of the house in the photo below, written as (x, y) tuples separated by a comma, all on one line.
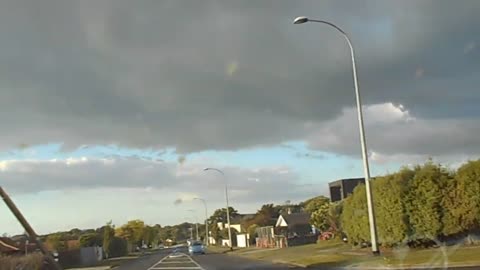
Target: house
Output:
[(294, 229), (340, 189), (7, 247), (293, 224), (236, 222)]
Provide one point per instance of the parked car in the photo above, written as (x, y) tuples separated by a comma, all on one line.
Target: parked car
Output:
[(196, 248)]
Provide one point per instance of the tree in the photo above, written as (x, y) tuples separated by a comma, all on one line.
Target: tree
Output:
[(424, 201), (215, 232), (462, 200), (319, 217), (150, 235), (389, 194), (354, 216), (89, 240), (132, 232), (315, 203), (55, 242), (220, 215), (74, 233), (252, 232), (108, 235), (263, 217), (224, 235), (288, 206), (165, 233)]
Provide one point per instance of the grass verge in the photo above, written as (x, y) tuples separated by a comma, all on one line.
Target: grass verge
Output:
[(453, 255), (335, 254)]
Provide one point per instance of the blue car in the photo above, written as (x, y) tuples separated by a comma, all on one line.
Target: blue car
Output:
[(196, 248)]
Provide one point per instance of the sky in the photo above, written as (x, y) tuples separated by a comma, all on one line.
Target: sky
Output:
[(110, 110)]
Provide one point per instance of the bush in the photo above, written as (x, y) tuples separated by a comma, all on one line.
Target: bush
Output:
[(90, 240), (415, 206), (30, 262), (354, 217)]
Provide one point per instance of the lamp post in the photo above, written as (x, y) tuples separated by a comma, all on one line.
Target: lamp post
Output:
[(371, 213), (206, 218), (226, 198)]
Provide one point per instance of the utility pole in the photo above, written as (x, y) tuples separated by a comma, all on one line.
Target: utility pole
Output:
[(31, 233)]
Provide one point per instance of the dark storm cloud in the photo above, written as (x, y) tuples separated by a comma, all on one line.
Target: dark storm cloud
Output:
[(224, 74)]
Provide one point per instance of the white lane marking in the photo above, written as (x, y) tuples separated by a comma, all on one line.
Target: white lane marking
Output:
[(157, 266), (196, 263), (176, 268)]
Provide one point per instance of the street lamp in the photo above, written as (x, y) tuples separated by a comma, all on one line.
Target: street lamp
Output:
[(226, 198), (371, 213), (206, 219)]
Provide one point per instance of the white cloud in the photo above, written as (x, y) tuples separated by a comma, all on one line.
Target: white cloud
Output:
[(394, 135), (135, 188), (187, 180)]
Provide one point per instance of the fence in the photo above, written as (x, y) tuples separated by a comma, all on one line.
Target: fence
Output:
[(266, 237), (86, 256)]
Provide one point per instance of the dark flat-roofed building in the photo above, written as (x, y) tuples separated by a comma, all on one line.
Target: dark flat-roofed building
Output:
[(340, 189)]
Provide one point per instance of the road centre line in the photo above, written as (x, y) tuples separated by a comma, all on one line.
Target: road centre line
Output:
[(157, 266)]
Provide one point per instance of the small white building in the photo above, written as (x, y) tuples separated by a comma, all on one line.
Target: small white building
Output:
[(243, 240)]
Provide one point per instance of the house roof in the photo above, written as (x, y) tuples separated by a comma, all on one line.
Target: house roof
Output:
[(7, 245), (296, 219)]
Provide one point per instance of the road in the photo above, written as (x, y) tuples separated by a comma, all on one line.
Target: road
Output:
[(162, 260), (181, 261)]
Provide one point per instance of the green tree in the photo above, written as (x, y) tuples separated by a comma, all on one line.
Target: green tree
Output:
[(424, 201), (220, 215), (89, 240), (150, 235), (354, 217), (165, 233), (462, 200), (264, 217), (389, 195), (327, 217), (132, 232), (283, 209), (215, 232), (252, 232), (108, 235), (224, 235), (56, 242), (315, 203), (320, 217)]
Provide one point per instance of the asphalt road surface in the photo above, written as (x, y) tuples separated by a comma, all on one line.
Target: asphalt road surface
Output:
[(167, 259), (180, 260)]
